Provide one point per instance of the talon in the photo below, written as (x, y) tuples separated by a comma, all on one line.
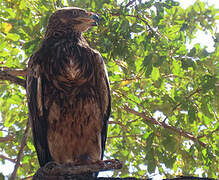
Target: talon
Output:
[(111, 161), (101, 163), (50, 166)]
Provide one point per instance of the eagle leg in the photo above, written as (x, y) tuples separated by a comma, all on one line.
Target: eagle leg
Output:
[(50, 167), (101, 163), (112, 161), (104, 163), (81, 160)]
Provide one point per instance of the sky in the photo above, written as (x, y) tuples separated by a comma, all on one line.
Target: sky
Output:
[(203, 38)]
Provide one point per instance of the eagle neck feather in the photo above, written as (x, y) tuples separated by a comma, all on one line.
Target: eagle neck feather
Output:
[(70, 65), (61, 32)]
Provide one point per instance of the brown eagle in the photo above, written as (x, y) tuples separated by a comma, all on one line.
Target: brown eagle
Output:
[(68, 92)]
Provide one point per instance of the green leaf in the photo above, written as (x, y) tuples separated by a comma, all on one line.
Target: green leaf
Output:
[(136, 28), (170, 143), (149, 141), (151, 166), (208, 82), (22, 4), (205, 108), (13, 36), (155, 75), (192, 114), (30, 145)]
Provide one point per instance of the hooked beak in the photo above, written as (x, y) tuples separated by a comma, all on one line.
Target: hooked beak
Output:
[(91, 20), (95, 19)]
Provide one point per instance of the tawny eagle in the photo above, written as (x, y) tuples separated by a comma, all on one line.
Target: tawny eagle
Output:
[(68, 92)]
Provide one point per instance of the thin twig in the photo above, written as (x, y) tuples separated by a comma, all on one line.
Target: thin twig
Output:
[(179, 104), (119, 123), (7, 138), (215, 114), (205, 135), (7, 158), (124, 136), (20, 153), (157, 34), (164, 125), (120, 94), (134, 120), (193, 93), (130, 3), (128, 79), (34, 5)]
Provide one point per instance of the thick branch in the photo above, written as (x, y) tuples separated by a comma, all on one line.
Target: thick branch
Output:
[(20, 154), (52, 170), (164, 125), (14, 72), (6, 76), (120, 94)]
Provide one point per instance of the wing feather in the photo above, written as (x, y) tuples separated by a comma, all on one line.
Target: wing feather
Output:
[(108, 107), (105, 121), (38, 120)]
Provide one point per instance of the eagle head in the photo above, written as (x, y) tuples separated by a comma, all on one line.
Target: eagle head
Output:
[(71, 18)]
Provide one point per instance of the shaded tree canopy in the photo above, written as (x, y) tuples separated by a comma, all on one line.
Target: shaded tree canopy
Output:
[(165, 95)]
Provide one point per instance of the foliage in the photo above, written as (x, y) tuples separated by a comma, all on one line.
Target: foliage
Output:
[(162, 92)]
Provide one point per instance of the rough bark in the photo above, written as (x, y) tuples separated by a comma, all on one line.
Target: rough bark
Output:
[(54, 171), (6, 75), (20, 153)]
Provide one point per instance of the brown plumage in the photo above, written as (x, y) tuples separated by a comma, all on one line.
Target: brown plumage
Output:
[(68, 92)]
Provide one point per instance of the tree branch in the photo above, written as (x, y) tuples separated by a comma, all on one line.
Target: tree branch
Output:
[(6, 138), (179, 104), (20, 154), (157, 34), (205, 135), (164, 125), (53, 170), (193, 93), (120, 94), (15, 72), (26, 178), (124, 136), (130, 3), (119, 123), (12, 78), (7, 158)]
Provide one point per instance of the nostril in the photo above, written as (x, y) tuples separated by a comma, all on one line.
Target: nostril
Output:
[(90, 13)]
